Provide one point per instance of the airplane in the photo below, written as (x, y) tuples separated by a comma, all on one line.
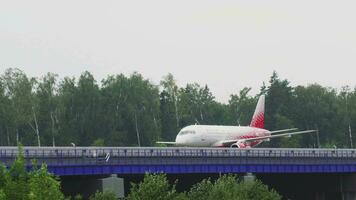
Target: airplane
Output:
[(232, 136)]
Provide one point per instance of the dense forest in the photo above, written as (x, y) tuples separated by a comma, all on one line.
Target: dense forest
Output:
[(132, 111)]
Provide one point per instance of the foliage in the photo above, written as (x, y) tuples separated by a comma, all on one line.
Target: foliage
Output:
[(131, 110), (154, 186), (201, 190), (18, 184), (98, 142), (103, 196), (227, 187), (78, 197), (44, 186), (16, 179)]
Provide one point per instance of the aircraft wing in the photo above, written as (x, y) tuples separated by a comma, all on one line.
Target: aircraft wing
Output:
[(277, 135), (284, 130), (171, 143), (230, 142)]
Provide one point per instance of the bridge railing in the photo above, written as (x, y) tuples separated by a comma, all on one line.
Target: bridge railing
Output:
[(80, 152)]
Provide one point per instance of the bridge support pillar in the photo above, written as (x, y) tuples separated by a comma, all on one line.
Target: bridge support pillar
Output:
[(347, 185), (248, 177), (113, 184)]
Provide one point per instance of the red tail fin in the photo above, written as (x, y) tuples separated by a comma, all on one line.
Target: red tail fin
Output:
[(258, 119)]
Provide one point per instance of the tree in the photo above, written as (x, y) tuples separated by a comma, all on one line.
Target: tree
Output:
[(87, 103), (114, 103), (67, 112), (43, 186), (228, 187), (6, 117), (153, 186), (169, 111), (98, 142), (171, 89), (103, 196), (256, 190), (201, 190), (316, 108), (143, 110), (18, 184), (48, 107), (22, 108), (279, 104), (241, 107), (197, 105), (16, 179), (130, 110)]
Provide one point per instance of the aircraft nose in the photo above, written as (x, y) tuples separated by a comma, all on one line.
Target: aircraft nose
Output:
[(180, 139)]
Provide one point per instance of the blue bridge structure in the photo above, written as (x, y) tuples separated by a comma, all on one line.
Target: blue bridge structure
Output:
[(72, 161)]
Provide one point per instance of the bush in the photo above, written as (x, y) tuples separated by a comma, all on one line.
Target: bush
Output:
[(154, 186), (103, 196), (18, 184), (44, 186), (227, 187)]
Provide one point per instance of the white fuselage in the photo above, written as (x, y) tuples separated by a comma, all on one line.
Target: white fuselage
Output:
[(211, 136)]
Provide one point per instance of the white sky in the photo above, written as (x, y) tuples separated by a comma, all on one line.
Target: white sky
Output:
[(225, 44)]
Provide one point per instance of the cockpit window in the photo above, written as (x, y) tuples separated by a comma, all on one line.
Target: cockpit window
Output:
[(186, 132)]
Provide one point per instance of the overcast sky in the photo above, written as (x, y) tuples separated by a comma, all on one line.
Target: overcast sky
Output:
[(225, 44)]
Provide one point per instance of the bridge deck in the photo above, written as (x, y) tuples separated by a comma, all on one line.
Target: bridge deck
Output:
[(133, 160)]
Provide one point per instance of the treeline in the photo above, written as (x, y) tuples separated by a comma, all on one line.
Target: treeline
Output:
[(131, 110), (226, 187)]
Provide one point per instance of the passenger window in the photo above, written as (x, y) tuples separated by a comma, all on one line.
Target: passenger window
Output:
[(186, 132)]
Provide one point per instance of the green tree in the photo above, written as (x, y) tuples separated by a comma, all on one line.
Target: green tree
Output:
[(256, 190), (4, 116), (317, 108), (16, 186), (197, 106), (114, 102), (279, 106), (44, 186), (22, 105), (2, 195), (48, 108), (153, 186), (98, 142), (201, 190), (228, 187), (103, 196), (241, 108), (78, 197), (169, 107), (87, 103), (143, 110), (67, 112)]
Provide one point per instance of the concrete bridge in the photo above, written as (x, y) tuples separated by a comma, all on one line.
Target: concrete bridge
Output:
[(296, 173), (64, 161)]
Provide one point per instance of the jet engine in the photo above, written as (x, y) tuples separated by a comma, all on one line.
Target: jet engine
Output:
[(239, 144)]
